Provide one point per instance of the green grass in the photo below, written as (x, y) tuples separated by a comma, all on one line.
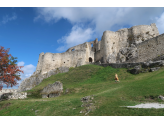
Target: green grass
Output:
[(92, 80)]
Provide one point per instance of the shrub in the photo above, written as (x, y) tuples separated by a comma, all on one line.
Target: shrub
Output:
[(71, 68)]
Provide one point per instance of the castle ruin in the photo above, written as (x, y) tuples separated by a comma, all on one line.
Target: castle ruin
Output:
[(135, 44)]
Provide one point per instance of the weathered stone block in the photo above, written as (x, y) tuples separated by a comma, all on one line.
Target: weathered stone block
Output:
[(161, 97), (154, 69), (52, 90)]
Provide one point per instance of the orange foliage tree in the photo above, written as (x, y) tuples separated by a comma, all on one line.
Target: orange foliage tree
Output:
[(8, 69)]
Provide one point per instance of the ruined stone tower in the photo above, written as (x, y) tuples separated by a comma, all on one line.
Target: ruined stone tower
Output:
[(124, 45)]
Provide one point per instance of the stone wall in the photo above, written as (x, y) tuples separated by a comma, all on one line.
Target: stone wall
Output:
[(150, 49), (97, 56), (112, 42), (107, 50), (80, 53), (12, 94)]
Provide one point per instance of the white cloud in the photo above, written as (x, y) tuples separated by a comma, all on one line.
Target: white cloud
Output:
[(78, 35), (7, 18), (27, 69), (20, 63), (160, 23), (106, 18)]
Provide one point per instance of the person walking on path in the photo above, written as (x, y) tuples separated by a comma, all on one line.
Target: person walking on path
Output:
[(116, 78)]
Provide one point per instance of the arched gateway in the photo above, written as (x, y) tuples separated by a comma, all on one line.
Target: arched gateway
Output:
[(90, 59)]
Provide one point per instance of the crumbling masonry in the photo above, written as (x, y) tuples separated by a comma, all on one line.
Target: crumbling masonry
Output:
[(135, 44), (126, 47)]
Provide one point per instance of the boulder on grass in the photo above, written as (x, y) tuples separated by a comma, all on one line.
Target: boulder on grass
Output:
[(154, 69), (52, 90), (161, 97), (136, 70)]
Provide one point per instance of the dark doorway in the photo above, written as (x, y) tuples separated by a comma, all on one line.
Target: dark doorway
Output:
[(90, 59)]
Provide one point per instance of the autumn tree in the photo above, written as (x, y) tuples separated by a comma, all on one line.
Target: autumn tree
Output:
[(9, 71)]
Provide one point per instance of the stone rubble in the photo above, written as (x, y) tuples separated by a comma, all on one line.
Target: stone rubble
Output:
[(12, 94), (87, 104), (149, 66)]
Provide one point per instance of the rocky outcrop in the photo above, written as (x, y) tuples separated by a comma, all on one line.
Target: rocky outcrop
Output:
[(136, 70), (36, 78), (149, 66), (154, 69), (12, 94), (161, 97), (52, 90), (128, 54), (111, 58)]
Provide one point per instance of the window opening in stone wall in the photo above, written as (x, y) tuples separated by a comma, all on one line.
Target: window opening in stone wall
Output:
[(91, 45), (64, 62), (48, 96), (73, 50), (90, 59)]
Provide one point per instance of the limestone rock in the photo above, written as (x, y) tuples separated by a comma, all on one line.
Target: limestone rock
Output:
[(135, 70), (14, 95), (111, 58), (52, 90), (144, 70), (86, 99), (37, 78), (129, 54), (157, 63), (145, 65), (161, 97), (154, 69), (152, 64)]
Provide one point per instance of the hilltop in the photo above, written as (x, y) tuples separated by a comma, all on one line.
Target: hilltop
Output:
[(97, 82)]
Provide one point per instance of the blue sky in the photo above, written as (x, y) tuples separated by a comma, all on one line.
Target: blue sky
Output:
[(29, 31)]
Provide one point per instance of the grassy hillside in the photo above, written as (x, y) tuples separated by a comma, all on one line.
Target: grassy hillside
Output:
[(92, 80)]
